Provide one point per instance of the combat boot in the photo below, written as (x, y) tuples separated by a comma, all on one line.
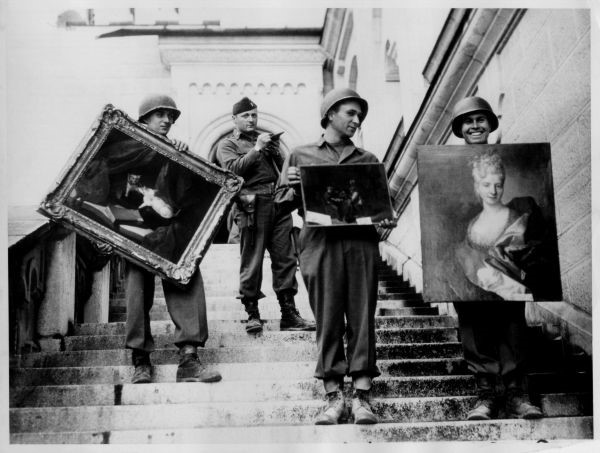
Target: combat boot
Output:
[(361, 408), (486, 406), (290, 317), (254, 324), (143, 369), (191, 370), (334, 410), (517, 402)]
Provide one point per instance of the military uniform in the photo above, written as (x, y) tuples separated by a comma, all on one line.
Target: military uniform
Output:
[(267, 227), (493, 333), (339, 268)]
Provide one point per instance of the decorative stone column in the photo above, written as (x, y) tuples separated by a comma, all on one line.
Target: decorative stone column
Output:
[(96, 307), (57, 308)]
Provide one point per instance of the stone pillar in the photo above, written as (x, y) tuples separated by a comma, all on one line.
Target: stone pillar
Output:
[(57, 308), (96, 307)]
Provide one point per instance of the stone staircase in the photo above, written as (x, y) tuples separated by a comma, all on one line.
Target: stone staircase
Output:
[(82, 394)]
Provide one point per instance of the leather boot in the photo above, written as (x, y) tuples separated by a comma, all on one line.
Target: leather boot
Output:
[(143, 368), (334, 410), (517, 401), (486, 405), (191, 370), (290, 317), (361, 408), (254, 324)]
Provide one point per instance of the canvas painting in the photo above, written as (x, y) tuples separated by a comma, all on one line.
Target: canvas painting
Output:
[(341, 195), (130, 189), (488, 223)]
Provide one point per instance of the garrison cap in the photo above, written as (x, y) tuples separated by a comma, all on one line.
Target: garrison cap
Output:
[(243, 105)]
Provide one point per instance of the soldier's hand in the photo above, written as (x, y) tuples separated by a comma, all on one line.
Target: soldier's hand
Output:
[(179, 145), (388, 223), (293, 176), (102, 247), (262, 140)]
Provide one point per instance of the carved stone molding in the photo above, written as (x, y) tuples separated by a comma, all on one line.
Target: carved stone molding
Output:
[(247, 88), (304, 55)]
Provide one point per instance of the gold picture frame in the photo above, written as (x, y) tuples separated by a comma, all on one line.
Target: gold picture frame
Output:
[(129, 188)]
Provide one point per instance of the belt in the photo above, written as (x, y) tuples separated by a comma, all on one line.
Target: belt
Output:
[(259, 189)]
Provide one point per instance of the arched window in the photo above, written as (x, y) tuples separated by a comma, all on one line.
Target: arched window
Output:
[(392, 72), (353, 73)]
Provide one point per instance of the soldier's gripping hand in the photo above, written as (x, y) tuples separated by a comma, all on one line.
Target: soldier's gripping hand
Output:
[(293, 176), (388, 223), (262, 140), (179, 145)]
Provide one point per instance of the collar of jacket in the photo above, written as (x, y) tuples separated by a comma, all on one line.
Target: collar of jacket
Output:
[(347, 144), (237, 134)]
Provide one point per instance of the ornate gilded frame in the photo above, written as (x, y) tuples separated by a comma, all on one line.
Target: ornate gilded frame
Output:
[(56, 206)]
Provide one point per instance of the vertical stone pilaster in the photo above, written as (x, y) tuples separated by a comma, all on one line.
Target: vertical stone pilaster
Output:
[(57, 308), (96, 307)]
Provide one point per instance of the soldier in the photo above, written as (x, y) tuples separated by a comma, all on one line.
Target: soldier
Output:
[(256, 157), (186, 305), (339, 269), (493, 334)]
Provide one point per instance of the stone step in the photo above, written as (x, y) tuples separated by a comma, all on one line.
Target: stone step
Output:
[(414, 311), (268, 338), (214, 325), (385, 295), (301, 352), (555, 429), (194, 415), (161, 314), (266, 388), (227, 391), (215, 303), (118, 374)]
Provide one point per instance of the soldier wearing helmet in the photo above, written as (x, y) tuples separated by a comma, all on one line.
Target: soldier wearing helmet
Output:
[(339, 268), (492, 333), (186, 305), (263, 226)]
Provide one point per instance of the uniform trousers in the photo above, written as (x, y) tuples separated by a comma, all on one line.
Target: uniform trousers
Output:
[(341, 277), (186, 305), (271, 232), (494, 336)]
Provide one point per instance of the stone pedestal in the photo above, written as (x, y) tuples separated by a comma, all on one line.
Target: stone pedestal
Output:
[(57, 308), (96, 307)]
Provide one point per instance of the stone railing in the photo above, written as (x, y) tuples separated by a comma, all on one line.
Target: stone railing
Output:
[(52, 282)]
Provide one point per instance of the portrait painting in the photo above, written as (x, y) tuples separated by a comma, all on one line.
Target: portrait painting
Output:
[(488, 223), (127, 188), (341, 195)]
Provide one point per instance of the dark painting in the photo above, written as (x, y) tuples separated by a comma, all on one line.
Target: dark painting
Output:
[(129, 189), (340, 195), (488, 224)]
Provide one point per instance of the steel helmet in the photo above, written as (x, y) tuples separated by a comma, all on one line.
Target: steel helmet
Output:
[(338, 95), (155, 102), (470, 105)]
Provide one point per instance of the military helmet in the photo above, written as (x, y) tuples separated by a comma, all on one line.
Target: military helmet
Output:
[(338, 95), (155, 102), (470, 105)]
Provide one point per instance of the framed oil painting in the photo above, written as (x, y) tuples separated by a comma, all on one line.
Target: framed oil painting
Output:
[(342, 195), (488, 223), (129, 188)]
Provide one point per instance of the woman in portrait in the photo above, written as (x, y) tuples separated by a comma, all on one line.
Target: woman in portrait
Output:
[(503, 243)]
